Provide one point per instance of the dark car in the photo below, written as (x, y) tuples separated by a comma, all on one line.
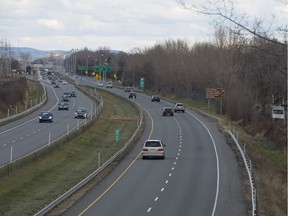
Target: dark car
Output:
[(56, 86), (67, 94), (65, 98), (81, 113), (132, 95), (45, 116), (63, 106), (179, 107), (72, 94), (128, 89), (155, 98), (167, 111)]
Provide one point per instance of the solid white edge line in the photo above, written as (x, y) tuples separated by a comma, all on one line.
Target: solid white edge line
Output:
[(217, 162)]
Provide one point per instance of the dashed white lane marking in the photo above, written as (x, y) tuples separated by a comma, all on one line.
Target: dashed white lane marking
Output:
[(173, 168), (162, 189), (170, 174), (21, 138), (4, 145), (149, 209), (13, 141), (156, 199), (166, 182)]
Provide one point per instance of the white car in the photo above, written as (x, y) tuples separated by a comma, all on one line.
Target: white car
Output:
[(153, 148), (100, 84), (109, 85)]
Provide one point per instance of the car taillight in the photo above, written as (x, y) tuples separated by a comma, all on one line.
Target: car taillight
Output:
[(160, 149), (145, 149)]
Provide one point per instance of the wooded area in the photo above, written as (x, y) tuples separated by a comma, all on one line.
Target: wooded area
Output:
[(253, 73)]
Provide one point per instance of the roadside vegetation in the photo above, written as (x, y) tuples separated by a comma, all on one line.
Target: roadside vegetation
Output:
[(29, 189), (18, 94)]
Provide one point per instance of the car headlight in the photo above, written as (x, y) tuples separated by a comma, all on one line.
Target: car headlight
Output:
[(40, 117), (50, 117)]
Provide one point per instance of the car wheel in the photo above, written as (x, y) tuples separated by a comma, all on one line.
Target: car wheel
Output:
[(163, 157), (143, 157)]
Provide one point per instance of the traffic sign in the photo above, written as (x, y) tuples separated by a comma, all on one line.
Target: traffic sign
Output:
[(217, 93), (81, 67), (102, 68), (142, 81), (117, 135)]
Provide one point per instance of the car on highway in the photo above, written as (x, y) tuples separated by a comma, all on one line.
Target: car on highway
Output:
[(46, 116), (63, 106), (81, 113), (153, 148), (155, 98), (67, 94), (109, 85), (65, 99), (132, 95), (179, 107), (56, 86), (72, 94), (167, 111), (64, 82), (128, 89), (100, 84)]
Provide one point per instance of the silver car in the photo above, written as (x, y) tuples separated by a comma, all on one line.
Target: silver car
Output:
[(153, 148), (179, 107)]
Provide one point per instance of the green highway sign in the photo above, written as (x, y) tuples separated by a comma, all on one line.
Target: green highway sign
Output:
[(142, 82), (117, 135), (102, 68), (81, 67)]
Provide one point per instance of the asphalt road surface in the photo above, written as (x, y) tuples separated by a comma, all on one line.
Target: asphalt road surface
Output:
[(199, 175), (26, 135)]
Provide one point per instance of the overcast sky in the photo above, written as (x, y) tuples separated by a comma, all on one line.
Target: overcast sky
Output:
[(116, 24)]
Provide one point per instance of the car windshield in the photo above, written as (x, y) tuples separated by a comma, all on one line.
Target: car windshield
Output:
[(45, 113), (81, 110), (152, 144)]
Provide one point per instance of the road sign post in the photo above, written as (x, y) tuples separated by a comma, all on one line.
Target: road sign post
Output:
[(215, 93)]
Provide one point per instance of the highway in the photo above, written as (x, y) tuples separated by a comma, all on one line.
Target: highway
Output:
[(25, 135), (199, 176)]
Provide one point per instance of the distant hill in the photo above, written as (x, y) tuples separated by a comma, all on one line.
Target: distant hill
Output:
[(34, 53)]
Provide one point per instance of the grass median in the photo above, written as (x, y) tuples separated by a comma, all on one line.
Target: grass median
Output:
[(31, 188)]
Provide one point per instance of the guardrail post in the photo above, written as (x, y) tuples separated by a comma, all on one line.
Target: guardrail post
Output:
[(11, 154)]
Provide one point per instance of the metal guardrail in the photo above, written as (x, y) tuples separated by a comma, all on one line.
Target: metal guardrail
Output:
[(248, 166), (92, 175)]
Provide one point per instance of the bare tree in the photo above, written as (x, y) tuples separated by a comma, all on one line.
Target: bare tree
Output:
[(225, 11)]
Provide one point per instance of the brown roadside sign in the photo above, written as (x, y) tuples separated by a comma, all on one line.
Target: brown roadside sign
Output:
[(217, 93)]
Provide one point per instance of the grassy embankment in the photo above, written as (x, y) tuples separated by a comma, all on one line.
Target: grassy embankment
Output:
[(36, 185), (269, 164), (33, 96)]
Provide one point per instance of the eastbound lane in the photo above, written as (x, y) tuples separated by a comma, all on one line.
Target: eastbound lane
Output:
[(26, 135), (199, 176)]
